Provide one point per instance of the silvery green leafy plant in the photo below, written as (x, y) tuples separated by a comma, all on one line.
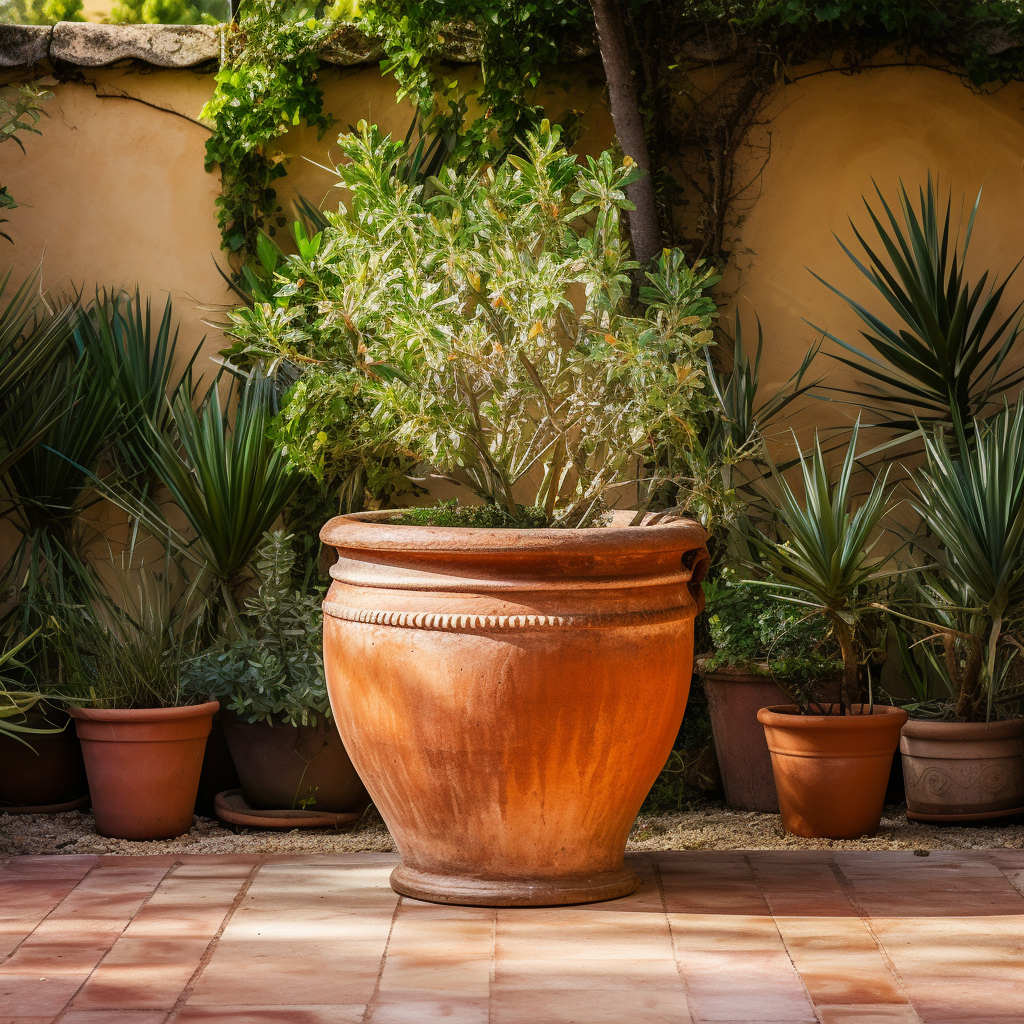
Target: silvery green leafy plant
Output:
[(273, 670), (483, 325)]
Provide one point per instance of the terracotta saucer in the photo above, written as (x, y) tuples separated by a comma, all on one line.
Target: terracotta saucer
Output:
[(232, 808), (71, 805)]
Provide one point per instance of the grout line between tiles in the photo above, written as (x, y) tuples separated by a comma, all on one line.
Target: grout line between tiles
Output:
[(211, 946), (850, 892), (67, 1006), (370, 1006), (778, 930), (490, 980), (672, 936)]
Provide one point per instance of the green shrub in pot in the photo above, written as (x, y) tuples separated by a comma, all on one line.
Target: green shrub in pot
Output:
[(269, 679)]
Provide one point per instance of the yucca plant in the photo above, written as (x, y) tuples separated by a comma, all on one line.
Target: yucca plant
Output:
[(229, 479), (824, 564), (34, 339), (15, 704), (939, 358), (136, 357), (970, 496)]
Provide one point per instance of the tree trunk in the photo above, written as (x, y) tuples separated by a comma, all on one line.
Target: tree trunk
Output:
[(629, 127)]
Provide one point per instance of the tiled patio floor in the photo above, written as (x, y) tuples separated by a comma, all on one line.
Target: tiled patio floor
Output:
[(795, 937)]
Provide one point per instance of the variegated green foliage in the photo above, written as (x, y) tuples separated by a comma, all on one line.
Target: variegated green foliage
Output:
[(482, 325)]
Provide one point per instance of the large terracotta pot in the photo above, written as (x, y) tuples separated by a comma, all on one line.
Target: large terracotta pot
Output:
[(510, 696), (282, 767), (48, 775), (831, 770), (734, 698), (957, 771), (143, 767)]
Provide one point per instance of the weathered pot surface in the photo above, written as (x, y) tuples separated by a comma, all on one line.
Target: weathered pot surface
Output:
[(285, 767), (48, 775), (963, 771), (509, 696), (735, 695), (831, 771), (143, 767)]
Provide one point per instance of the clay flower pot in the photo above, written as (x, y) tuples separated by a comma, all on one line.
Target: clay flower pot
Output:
[(143, 767), (509, 696), (831, 771), (735, 696), (959, 771), (46, 777), (283, 767)]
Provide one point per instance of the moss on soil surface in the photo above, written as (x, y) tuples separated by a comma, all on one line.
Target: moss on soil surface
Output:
[(711, 827)]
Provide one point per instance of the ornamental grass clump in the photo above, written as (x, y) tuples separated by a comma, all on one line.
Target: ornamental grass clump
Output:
[(482, 326)]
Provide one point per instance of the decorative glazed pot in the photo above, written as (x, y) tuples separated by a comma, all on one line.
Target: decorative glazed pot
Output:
[(282, 767), (48, 775), (143, 767), (510, 696), (963, 771), (831, 771), (735, 696)]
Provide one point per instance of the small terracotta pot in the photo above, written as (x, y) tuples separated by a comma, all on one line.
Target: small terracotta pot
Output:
[(283, 767), (510, 696), (143, 767), (734, 698), (831, 770), (963, 771), (49, 773)]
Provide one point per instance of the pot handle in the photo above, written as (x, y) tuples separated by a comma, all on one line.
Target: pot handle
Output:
[(698, 561)]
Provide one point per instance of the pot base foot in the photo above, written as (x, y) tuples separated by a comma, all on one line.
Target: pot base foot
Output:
[(502, 892), (986, 816)]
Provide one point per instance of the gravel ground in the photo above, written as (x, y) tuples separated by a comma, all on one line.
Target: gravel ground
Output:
[(711, 827)]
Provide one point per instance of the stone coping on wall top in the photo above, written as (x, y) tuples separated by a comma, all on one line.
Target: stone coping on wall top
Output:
[(82, 44)]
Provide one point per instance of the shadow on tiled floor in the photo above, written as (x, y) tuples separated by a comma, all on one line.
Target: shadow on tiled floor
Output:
[(791, 937)]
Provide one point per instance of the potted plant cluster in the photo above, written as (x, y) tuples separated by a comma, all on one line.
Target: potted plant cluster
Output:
[(761, 647), (508, 675), (275, 711)]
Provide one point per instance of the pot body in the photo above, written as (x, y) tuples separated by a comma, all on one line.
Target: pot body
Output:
[(510, 696), (143, 767), (734, 698), (48, 772), (963, 771), (282, 767), (831, 771)]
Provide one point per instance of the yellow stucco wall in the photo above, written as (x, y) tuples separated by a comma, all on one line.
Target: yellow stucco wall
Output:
[(830, 135), (114, 191)]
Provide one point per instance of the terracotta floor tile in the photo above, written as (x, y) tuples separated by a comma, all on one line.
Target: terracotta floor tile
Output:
[(884, 1014), (36, 994), (269, 973), (724, 932), (968, 996), (142, 974), (529, 934), (188, 907), (420, 1011), (689, 895), (580, 1006), (849, 979), (944, 904), (74, 1016), (423, 973), (73, 866), (751, 986), (588, 975), (216, 865), (345, 1014), (41, 955), (4, 1019)]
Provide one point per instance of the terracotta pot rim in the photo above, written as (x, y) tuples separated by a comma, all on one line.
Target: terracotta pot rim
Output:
[(374, 531), (966, 732), (145, 714), (787, 716)]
